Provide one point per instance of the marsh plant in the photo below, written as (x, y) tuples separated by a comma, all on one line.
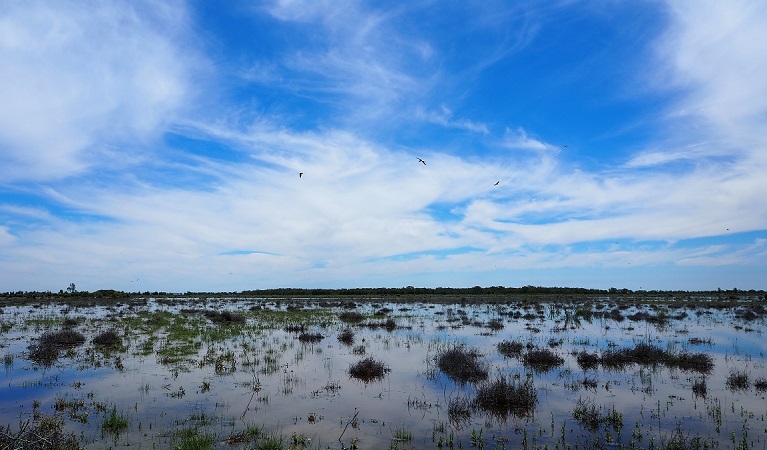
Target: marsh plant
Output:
[(506, 396), (44, 433), (462, 364), (48, 346), (368, 370), (542, 359)]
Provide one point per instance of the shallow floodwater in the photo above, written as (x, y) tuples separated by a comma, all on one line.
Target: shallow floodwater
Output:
[(179, 370)]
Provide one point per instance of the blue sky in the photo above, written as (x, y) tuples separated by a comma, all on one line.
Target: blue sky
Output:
[(158, 146)]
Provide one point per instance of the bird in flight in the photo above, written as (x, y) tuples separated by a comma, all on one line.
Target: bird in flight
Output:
[(497, 182), (420, 160), (300, 174)]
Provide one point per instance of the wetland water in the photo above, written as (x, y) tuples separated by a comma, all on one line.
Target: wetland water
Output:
[(261, 373)]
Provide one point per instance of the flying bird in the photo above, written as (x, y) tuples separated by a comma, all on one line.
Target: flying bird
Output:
[(300, 174), (497, 182), (424, 162)]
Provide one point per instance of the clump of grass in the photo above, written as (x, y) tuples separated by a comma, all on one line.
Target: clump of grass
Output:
[(591, 417), (697, 362), (359, 350), (351, 316), (542, 359), (459, 409), (108, 340), (70, 322), (587, 360), (346, 337), (114, 423), (310, 337), (504, 396), (462, 364), (368, 369), (699, 387), (192, 439), (251, 433), (45, 433), (510, 348), (648, 354), (495, 325), (738, 380), (224, 317), (46, 350), (295, 328), (388, 324)]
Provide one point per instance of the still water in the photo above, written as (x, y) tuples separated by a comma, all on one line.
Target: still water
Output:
[(182, 370)]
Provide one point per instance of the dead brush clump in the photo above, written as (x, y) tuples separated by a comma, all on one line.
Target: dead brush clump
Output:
[(738, 380), (46, 350), (351, 317), (310, 338), (346, 337), (108, 340), (504, 396), (541, 359), (760, 384), (368, 370), (295, 328), (45, 433), (587, 360), (590, 416), (388, 324), (512, 349), (459, 409), (462, 364), (692, 362), (224, 317)]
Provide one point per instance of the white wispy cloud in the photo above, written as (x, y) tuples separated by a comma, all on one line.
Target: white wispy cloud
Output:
[(519, 139), (80, 78)]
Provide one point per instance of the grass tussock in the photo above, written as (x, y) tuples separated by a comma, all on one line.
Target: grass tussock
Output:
[(699, 387), (48, 346), (591, 417), (506, 396), (738, 380), (310, 338), (459, 409), (542, 359), (647, 354), (512, 349), (587, 361), (224, 317), (108, 340), (368, 370), (351, 317), (45, 433), (346, 337), (462, 364)]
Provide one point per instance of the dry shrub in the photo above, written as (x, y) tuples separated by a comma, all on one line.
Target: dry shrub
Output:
[(462, 364), (368, 370), (346, 337), (351, 316), (107, 340), (46, 350), (587, 360), (44, 434), (224, 317), (310, 337), (510, 348), (503, 397), (542, 359)]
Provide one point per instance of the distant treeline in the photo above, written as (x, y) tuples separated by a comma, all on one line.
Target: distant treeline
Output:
[(385, 292)]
